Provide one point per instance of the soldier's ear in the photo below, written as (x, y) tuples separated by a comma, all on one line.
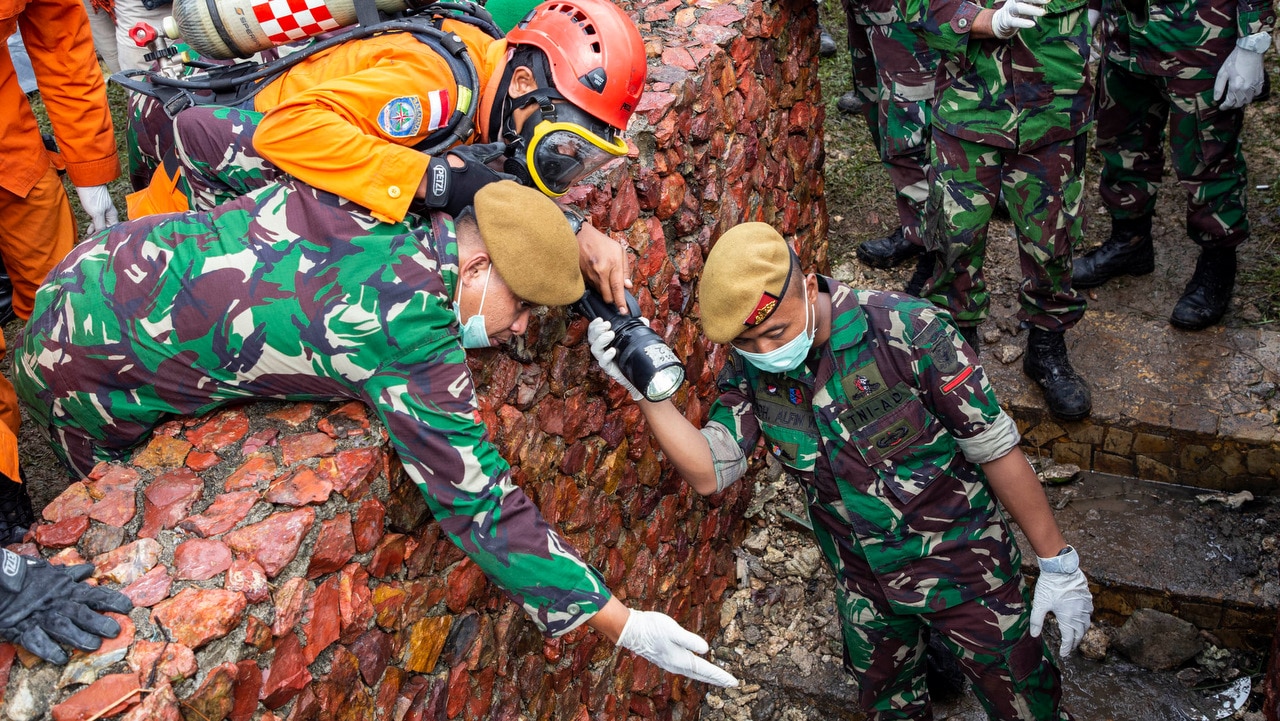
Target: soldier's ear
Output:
[(475, 268)]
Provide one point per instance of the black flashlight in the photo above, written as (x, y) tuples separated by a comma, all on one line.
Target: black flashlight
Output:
[(648, 363)]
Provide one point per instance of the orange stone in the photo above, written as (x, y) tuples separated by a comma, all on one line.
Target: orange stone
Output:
[(61, 534), (202, 460), (116, 508), (293, 415), (259, 467), (199, 559), (304, 446), (426, 639), (197, 616), (152, 588), (166, 659), (107, 696), (162, 452), (222, 515), (225, 428), (300, 488), (74, 501), (159, 705)]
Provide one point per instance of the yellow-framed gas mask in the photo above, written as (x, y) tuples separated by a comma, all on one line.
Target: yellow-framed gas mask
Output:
[(566, 147)]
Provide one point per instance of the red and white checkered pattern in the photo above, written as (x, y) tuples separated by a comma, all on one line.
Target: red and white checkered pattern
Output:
[(285, 20)]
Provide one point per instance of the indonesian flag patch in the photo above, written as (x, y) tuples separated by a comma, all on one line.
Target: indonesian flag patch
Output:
[(438, 110), (765, 308)]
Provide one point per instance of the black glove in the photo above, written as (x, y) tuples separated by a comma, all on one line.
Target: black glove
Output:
[(42, 604), (451, 189)]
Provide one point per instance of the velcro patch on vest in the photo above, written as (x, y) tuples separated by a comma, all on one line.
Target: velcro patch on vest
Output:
[(783, 402), (401, 117), (785, 452), (937, 342), (863, 383), (877, 406), (767, 304)]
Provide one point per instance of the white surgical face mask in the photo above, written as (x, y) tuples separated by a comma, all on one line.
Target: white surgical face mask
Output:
[(789, 355), (474, 333)]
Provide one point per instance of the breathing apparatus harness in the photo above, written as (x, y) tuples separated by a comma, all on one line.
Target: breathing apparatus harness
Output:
[(236, 85)]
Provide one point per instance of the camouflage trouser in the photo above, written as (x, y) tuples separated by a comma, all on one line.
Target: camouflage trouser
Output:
[(1013, 674), (1042, 189), (893, 72), (1132, 112), (209, 146)]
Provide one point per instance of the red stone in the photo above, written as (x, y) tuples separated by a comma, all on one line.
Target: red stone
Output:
[(111, 645), (356, 466), (74, 501), (67, 557), (159, 705), (168, 500), (248, 686), (199, 559), (202, 460), (321, 623), (107, 696), (368, 524), (334, 546), (349, 420), (289, 600), (259, 467), (197, 616), (116, 508), (109, 477), (287, 675), (165, 659), (373, 649), (149, 589), (213, 700), (388, 557), (303, 446), (222, 515), (258, 441), (61, 534), (273, 542), (293, 415), (248, 578), (300, 488), (355, 600), (466, 583), (224, 429)]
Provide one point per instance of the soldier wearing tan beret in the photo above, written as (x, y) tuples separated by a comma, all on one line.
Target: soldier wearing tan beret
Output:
[(292, 293), (877, 406)]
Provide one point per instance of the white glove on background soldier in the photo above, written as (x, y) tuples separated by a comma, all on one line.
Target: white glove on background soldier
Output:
[(659, 639), (599, 336), (1063, 591), (96, 202), (1016, 15), (1240, 77)]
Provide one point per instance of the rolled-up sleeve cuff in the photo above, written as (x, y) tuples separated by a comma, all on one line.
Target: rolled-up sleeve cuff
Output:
[(994, 442), (730, 461), (962, 22), (88, 173)]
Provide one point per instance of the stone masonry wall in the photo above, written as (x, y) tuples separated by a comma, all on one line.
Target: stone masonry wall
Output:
[(282, 566)]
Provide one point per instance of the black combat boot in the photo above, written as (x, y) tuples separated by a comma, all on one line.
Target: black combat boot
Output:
[(1127, 252), (826, 44), (16, 515), (970, 335), (1209, 292), (919, 283), (1046, 362), (888, 252), (850, 103)]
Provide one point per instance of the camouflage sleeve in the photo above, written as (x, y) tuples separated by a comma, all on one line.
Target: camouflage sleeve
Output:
[(944, 24), (953, 384), (1255, 16), (733, 411), (427, 401)]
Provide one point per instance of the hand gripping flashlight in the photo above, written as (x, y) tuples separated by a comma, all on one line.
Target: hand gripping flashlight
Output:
[(645, 360)]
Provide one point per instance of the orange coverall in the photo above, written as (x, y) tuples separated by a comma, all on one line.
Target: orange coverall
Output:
[(36, 225)]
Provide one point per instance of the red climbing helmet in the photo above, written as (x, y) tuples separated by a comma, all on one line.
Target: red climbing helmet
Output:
[(596, 57)]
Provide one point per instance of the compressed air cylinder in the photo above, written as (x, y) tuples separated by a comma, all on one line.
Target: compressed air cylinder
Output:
[(239, 28)]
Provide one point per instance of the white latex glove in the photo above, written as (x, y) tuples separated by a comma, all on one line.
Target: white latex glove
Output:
[(1016, 15), (1093, 16), (658, 638), (96, 201), (1063, 591), (1240, 77), (1095, 43), (599, 336)]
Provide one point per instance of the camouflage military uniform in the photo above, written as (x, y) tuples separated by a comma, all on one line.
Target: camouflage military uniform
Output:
[(290, 293), (1013, 115), (885, 436), (893, 73), (1160, 72)]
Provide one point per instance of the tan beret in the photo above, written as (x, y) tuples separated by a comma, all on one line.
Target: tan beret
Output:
[(530, 242), (744, 278)]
